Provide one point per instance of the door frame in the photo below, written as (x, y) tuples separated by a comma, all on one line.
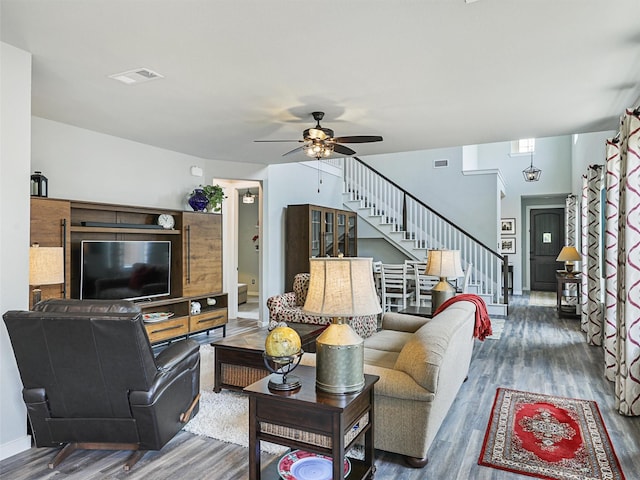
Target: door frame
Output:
[(528, 204), (562, 233)]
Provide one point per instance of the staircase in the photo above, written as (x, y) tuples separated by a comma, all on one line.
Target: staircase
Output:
[(414, 228)]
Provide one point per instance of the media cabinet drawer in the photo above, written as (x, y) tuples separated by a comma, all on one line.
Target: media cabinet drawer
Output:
[(174, 327), (209, 319)]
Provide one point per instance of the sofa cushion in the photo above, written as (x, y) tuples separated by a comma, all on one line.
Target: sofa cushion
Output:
[(388, 340), (422, 355), (380, 358)]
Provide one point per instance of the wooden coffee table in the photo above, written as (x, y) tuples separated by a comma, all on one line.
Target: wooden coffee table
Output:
[(239, 361)]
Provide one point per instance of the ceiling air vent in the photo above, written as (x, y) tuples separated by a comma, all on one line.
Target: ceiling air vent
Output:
[(441, 163), (133, 77)]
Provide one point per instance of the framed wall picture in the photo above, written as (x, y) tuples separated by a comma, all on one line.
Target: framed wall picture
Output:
[(508, 226), (508, 245)]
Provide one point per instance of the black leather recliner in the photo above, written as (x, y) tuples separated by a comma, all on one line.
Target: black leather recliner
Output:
[(91, 380)]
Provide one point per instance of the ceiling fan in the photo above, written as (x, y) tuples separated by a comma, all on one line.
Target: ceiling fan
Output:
[(319, 141)]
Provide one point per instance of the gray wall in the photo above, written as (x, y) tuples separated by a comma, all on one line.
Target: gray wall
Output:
[(15, 112)]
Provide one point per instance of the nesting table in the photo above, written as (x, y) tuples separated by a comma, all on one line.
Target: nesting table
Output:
[(313, 421), (239, 361)]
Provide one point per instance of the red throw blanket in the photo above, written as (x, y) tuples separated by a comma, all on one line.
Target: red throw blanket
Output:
[(483, 323)]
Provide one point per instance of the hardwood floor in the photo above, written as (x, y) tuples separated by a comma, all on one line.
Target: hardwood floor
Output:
[(537, 352)]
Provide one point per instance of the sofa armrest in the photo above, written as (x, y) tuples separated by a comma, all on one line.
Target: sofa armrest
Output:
[(402, 323), (392, 383), (397, 384), (277, 303)]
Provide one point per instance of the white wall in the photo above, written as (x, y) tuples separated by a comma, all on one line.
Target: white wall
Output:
[(553, 156), (290, 184), (587, 149), (15, 119), (466, 200)]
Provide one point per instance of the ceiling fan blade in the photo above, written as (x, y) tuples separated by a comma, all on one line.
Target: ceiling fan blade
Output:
[(359, 139), (299, 149), (337, 148), (272, 141)]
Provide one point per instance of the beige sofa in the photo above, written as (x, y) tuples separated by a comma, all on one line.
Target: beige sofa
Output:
[(421, 364)]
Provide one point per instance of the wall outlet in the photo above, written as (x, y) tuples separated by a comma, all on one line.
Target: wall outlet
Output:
[(253, 281)]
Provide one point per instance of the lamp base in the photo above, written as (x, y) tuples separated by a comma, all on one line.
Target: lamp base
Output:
[(440, 293), (568, 266), (339, 360)]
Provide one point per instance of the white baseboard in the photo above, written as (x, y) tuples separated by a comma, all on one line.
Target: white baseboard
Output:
[(15, 446)]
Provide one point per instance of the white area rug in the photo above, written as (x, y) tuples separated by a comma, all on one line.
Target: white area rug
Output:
[(225, 415), (542, 299)]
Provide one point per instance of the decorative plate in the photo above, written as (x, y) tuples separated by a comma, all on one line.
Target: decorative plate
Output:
[(156, 317), (301, 465)]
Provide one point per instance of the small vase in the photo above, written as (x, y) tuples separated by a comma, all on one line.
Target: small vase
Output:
[(198, 200)]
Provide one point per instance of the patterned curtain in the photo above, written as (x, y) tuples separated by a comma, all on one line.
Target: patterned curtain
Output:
[(584, 237), (570, 221), (570, 228), (628, 311), (612, 177), (594, 311)]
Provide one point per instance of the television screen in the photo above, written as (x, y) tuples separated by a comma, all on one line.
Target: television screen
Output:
[(111, 270)]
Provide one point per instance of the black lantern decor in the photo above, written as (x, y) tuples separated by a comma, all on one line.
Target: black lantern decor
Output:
[(39, 185)]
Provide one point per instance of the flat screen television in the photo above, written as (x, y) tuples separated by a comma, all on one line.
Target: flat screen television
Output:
[(130, 270)]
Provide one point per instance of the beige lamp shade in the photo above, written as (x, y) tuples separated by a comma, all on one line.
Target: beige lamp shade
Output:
[(569, 254), (46, 265), (341, 287), (444, 264)]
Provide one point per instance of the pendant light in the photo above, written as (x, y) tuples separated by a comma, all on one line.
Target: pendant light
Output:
[(531, 173), (248, 197)]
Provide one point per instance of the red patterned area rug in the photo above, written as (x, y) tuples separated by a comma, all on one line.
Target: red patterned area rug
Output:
[(548, 437)]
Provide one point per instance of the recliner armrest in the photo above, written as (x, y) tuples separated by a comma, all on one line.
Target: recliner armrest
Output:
[(172, 362), (176, 353)]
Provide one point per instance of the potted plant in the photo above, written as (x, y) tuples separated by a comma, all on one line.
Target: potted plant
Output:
[(215, 195)]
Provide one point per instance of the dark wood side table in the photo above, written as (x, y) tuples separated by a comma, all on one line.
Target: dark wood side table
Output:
[(563, 278), (239, 361), (313, 421)]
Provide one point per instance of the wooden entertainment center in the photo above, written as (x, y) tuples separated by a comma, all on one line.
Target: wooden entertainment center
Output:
[(196, 257)]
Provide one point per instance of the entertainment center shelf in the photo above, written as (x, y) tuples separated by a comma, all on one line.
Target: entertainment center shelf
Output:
[(195, 267), (183, 322), (143, 231)]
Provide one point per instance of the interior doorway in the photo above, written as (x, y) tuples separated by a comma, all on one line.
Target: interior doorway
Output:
[(248, 249), (546, 240)]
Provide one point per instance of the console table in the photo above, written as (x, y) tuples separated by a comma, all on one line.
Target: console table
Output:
[(314, 421), (563, 278)]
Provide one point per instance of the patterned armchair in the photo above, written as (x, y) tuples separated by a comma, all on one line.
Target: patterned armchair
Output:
[(287, 307)]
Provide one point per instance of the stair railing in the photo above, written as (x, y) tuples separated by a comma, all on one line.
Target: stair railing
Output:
[(427, 228)]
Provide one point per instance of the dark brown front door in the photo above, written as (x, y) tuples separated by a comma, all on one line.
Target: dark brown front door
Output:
[(547, 239)]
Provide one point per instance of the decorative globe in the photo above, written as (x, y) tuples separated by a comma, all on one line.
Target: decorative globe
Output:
[(282, 342)]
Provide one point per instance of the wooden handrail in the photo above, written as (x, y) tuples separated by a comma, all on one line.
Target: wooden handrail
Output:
[(417, 200), (503, 259)]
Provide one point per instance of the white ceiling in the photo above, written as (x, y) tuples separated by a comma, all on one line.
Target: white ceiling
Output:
[(422, 73)]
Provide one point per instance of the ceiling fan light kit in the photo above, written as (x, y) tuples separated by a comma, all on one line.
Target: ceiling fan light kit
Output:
[(319, 142)]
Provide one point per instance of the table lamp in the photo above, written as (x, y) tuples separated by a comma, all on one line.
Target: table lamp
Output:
[(568, 255), (341, 288), (46, 267), (443, 264)]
